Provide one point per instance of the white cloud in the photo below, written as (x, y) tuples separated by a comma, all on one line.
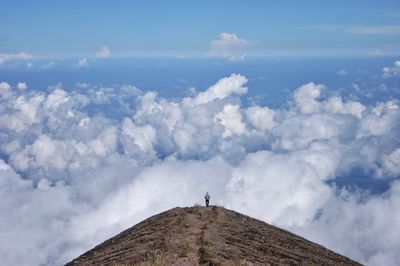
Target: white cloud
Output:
[(230, 46), (337, 106), (342, 72), (144, 137), (14, 57), (104, 52), (83, 63), (223, 88), (228, 41), (393, 71), (261, 118), (5, 90), (306, 97), (237, 57), (391, 163), (231, 118), (22, 86), (79, 166)]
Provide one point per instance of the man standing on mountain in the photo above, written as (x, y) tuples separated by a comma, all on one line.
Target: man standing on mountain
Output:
[(207, 197)]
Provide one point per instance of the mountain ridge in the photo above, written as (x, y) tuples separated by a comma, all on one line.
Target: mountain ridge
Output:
[(207, 236)]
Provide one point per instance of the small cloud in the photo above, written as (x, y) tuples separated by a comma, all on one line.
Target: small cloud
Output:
[(342, 72), (82, 63), (29, 65), (392, 71), (192, 91), (104, 52), (377, 52), (49, 65), (5, 90), (22, 86), (82, 85), (15, 57), (228, 41), (356, 87), (230, 46), (238, 57)]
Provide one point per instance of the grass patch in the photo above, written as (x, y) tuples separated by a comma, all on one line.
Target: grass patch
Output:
[(155, 257), (183, 253)]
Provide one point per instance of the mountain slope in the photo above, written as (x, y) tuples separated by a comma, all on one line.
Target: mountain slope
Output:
[(208, 236)]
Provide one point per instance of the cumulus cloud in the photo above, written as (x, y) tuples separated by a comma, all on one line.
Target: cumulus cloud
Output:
[(306, 97), (14, 57), (231, 118), (262, 118), (79, 166), (223, 88), (229, 40), (4, 89), (22, 86), (103, 52), (230, 46), (393, 71)]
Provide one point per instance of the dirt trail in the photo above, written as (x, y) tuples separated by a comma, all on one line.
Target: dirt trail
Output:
[(197, 223), (208, 236)]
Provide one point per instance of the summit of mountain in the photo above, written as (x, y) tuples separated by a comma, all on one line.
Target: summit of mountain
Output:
[(208, 236)]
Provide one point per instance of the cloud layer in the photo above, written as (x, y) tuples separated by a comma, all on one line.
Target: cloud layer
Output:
[(15, 57), (79, 166)]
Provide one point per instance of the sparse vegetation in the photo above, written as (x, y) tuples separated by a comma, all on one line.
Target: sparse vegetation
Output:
[(244, 262), (155, 257), (183, 253)]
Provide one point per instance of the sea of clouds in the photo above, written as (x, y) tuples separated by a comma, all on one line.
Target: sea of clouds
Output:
[(78, 166)]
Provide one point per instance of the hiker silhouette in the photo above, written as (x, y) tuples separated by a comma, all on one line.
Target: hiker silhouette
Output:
[(207, 197)]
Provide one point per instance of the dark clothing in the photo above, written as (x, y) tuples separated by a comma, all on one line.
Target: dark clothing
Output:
[(207, 197)]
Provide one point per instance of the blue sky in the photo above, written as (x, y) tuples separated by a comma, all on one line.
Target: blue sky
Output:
[(186, 28)]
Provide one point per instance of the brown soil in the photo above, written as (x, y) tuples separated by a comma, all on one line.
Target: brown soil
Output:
[(208, 236)]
